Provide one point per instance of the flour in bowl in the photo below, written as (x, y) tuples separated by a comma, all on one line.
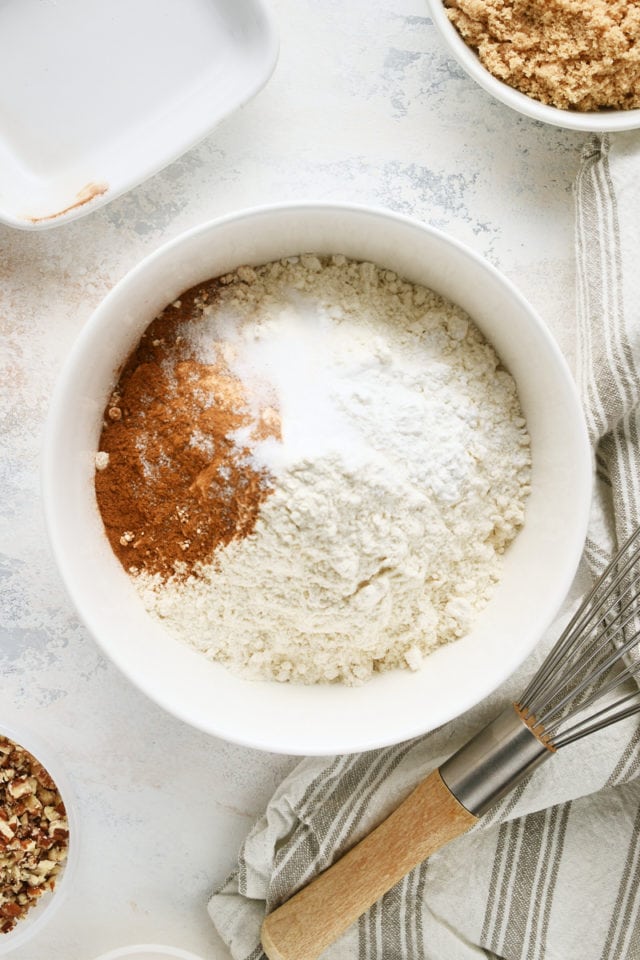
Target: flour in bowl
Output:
[(377, 449)]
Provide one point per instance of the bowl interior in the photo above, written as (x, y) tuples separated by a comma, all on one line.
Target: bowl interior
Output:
[(597, 122), (539, 566)]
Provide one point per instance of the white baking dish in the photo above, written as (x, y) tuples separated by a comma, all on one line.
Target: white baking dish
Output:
[(95, 97)]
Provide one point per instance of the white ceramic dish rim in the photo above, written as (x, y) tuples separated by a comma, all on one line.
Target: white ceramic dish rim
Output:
[(600, 122), (150, 949), (41, 914), (290, 744), (118, 187)]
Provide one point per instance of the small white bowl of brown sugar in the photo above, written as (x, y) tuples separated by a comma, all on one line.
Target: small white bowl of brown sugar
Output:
[(38, 836), (570, 63), (316, 477)]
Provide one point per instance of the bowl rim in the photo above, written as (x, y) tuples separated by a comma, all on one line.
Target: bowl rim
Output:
[(217, 726), (588, 121), (44, 754), (123, 953)]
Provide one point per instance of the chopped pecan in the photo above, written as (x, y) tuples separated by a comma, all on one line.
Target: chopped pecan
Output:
[(34, 833)]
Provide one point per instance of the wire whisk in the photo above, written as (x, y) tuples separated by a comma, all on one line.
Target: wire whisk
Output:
[(581, 687), (593, 658)]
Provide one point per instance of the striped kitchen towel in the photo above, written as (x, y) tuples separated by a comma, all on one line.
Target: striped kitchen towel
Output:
[(554, 870)]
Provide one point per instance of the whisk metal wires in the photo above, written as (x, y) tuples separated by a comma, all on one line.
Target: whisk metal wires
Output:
[(593, 658), (578, 690)]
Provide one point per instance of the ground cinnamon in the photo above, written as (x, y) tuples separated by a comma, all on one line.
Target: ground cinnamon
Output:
[(172, 484)]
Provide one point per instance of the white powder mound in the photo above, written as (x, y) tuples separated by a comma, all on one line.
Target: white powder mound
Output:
[(400, 479)]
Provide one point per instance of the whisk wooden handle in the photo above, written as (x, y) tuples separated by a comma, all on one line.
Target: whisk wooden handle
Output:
[(316, 916)]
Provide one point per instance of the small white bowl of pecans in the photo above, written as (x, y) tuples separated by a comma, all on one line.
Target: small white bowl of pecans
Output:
[(38, 836), (570, 65)]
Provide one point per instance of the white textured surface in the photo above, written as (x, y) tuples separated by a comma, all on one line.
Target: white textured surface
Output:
[(366, 106)]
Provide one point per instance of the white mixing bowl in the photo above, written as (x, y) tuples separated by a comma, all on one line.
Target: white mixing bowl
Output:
[(323, 719), (601, 121)]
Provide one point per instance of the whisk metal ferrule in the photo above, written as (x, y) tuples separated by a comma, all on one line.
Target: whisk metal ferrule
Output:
[(499, 756)]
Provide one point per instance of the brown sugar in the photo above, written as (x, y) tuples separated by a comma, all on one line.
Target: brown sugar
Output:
[(573, 54), (172, 483)]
